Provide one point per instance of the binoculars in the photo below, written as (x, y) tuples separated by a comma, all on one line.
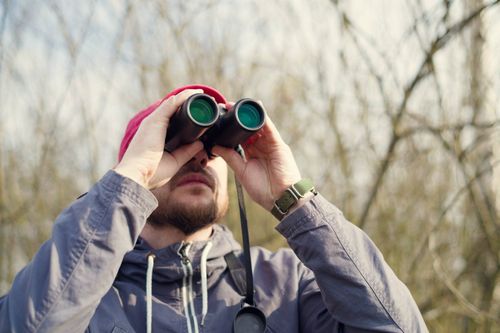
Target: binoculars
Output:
[(201, 118)]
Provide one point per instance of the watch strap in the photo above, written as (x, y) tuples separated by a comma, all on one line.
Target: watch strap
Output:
[(291, 196)]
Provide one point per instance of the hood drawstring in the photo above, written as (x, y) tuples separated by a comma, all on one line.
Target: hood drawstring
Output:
[(149, 292), (204, 288)]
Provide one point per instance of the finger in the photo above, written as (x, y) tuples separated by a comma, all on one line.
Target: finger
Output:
[(168, 107), (232, 158), (251, 152), (270, 130), (186, 152), (267, 138), (251, 140)]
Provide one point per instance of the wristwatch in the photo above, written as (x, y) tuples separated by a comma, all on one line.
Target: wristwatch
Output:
[(291, 196)]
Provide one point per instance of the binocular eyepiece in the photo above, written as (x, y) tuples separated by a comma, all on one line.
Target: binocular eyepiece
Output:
[(201, 118)]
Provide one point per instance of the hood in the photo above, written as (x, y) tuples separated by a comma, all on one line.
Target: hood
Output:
[(167, 267)]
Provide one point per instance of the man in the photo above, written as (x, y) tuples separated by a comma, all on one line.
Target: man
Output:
[(107, 269)]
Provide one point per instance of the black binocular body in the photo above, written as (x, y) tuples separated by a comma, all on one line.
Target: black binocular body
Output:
[(200, 118)]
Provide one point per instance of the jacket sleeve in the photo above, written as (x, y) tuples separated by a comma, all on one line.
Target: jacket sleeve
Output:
[(59, 290), (358, 291)]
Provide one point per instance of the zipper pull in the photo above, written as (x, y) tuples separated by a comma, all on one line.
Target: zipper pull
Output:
[(183, 252)]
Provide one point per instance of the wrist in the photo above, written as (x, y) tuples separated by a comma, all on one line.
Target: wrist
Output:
[(132, 173), (293, 198), (302, 201)]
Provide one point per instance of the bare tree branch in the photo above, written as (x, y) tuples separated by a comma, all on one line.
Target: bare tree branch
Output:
[(436, 45)]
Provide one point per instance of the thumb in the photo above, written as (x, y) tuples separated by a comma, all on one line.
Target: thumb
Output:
[(232, 158), (184, 153), (167, 168)]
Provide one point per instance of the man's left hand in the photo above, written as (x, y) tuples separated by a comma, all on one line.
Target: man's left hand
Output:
[(270, 167)]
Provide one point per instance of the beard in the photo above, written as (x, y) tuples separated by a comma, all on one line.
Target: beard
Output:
[(189, 216), (187, 219)]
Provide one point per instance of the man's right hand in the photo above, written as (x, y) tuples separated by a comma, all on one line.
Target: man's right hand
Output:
[(145, 160)]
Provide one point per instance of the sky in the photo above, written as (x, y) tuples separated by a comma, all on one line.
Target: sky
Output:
[(283, 41)]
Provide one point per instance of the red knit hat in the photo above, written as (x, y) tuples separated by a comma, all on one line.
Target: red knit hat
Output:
[(134, 123)]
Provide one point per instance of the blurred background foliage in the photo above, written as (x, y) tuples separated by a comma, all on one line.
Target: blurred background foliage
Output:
[(391, 107)]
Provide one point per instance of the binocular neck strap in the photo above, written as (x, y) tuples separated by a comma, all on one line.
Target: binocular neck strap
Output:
[(247, 260), (237, 272)]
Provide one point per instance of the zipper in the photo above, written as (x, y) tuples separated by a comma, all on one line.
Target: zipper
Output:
[(187, 287)]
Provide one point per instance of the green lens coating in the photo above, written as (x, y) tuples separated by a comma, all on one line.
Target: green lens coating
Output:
[(202, 111), (249, 116)]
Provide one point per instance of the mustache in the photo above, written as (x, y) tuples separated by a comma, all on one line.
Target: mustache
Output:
[(193, 168)]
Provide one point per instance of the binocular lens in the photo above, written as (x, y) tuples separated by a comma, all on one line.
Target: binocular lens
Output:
[(249, 320), (200, 118), (202, 111), (250, 115)]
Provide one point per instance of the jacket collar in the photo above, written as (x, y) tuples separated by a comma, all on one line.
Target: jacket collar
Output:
[(168, 268)]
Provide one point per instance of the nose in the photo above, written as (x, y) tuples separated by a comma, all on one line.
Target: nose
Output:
[(201, 159)]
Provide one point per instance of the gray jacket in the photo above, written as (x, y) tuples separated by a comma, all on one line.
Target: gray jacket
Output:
[(91, 276)]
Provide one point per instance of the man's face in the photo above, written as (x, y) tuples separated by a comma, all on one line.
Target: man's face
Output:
[(195, 197)]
